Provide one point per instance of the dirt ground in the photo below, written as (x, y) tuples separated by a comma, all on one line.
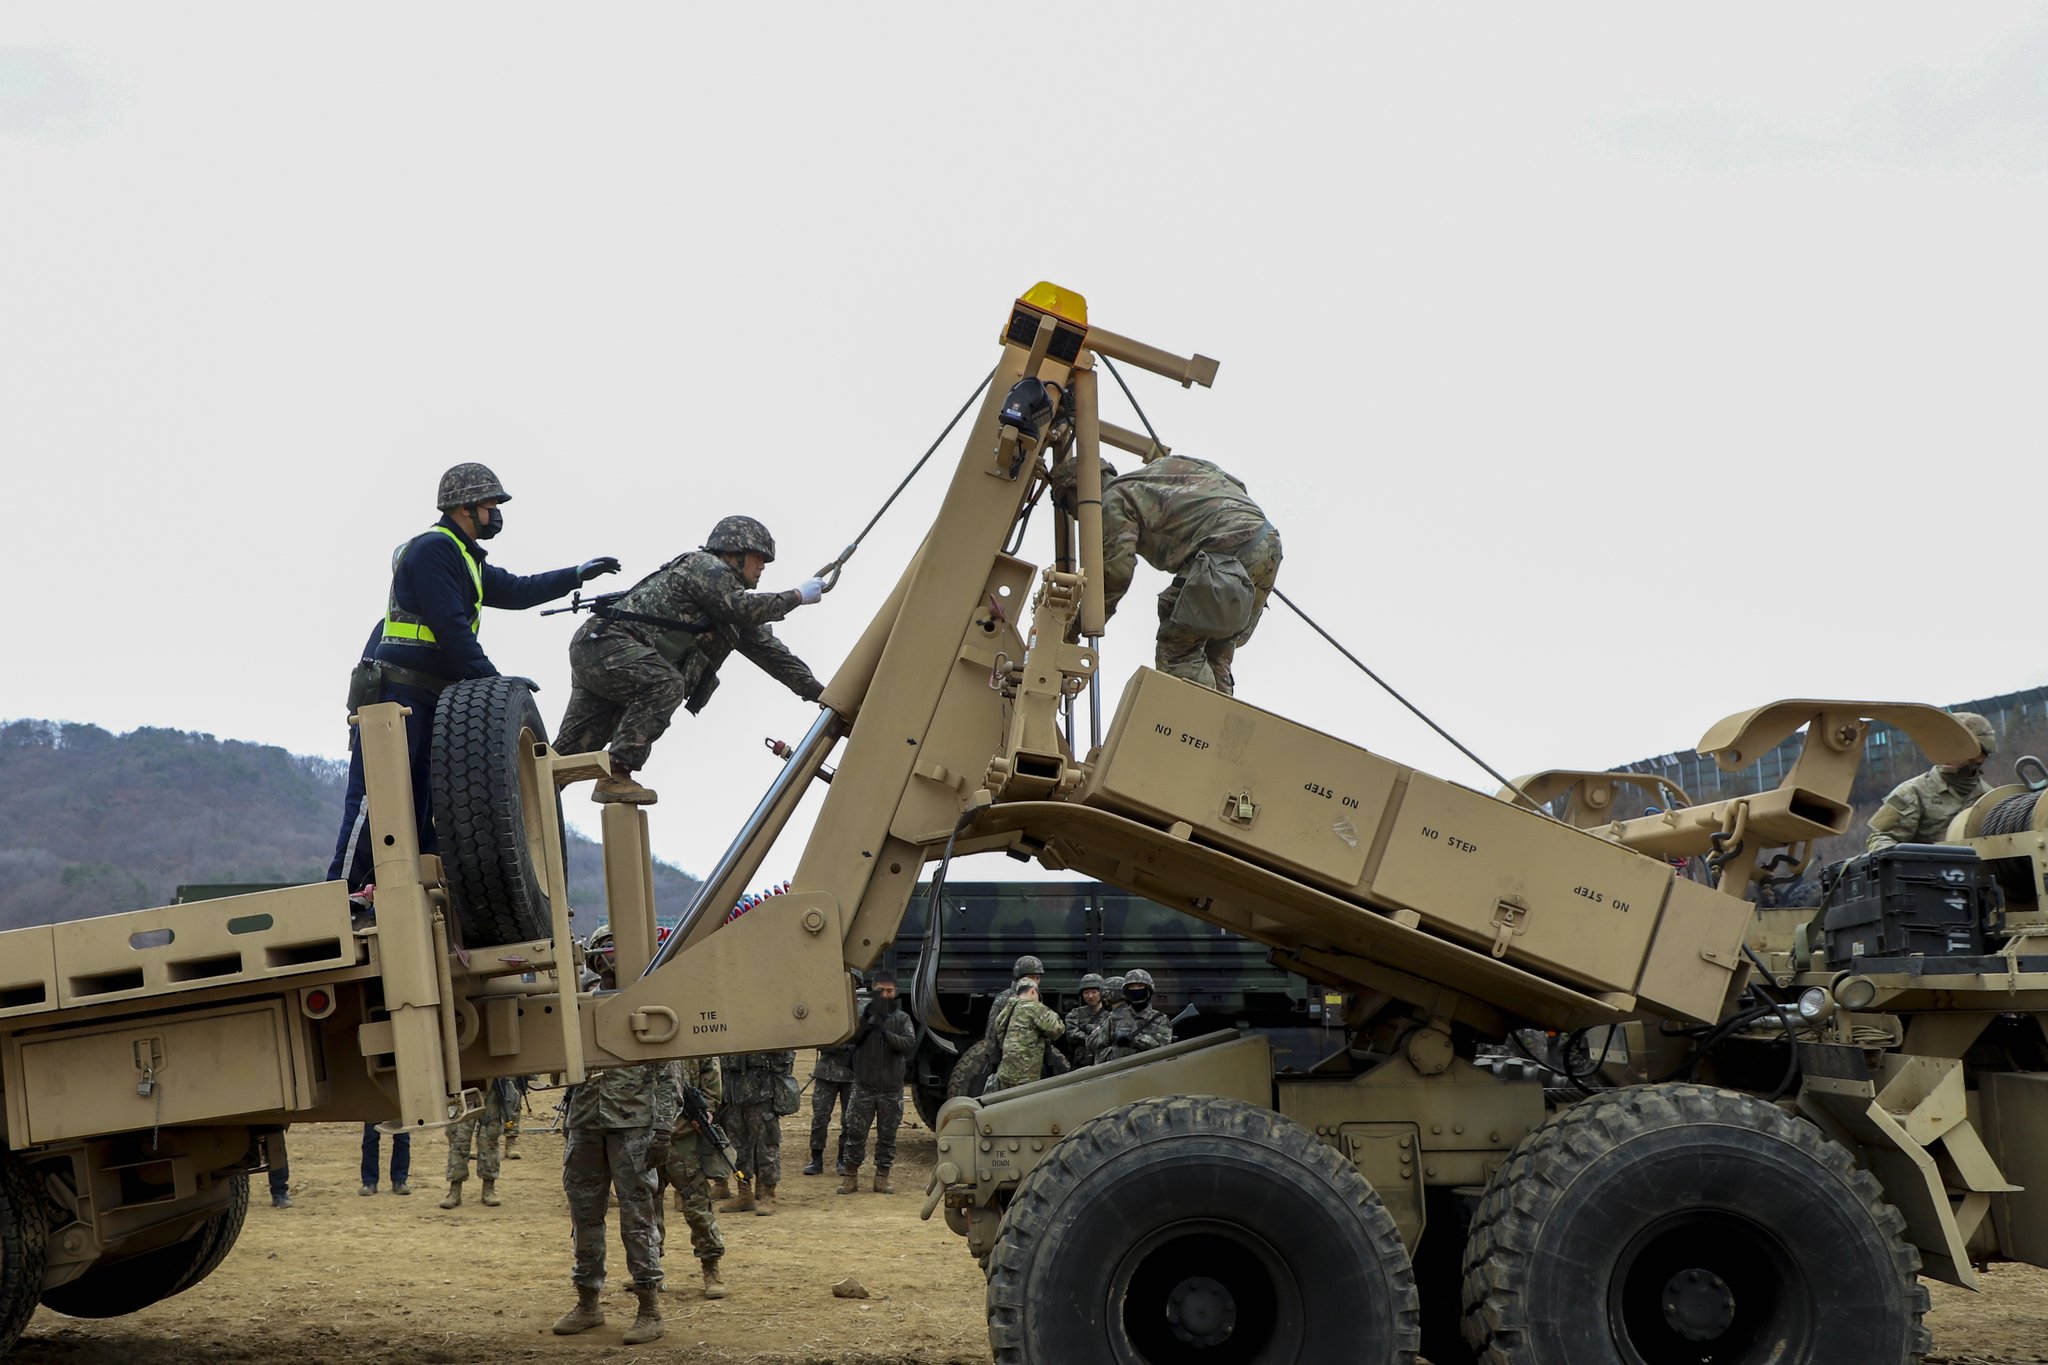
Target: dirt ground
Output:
[(394, 1281)]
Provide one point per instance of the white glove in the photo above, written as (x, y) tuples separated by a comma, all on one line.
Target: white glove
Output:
[(811, 590)]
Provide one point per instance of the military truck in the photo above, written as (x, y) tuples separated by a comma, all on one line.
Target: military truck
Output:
[(1781, 1133), (1080, 927)]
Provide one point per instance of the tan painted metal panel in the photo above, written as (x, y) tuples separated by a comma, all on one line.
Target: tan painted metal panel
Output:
[(1586, 908), (2015, 1115), (1179, 751), (1697, 949), (209, 943), (232, 1061), (28, 971)]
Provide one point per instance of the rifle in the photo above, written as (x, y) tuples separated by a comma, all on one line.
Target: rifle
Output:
[(697, 1109), (604, 606)]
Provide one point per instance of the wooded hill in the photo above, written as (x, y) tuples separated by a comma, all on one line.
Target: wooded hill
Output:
[(92, 823)]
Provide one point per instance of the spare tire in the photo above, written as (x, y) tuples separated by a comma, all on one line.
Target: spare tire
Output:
[(114, 1289), (972, 1070), (24, 1242), (487, 822)]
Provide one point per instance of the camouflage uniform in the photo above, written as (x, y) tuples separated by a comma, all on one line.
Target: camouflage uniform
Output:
[(1147, 1029), (1918, 810), (878, 1087), (484, 1131), (627, 677), (751, 1080), (1026, 1027), (1080, 1022), (1166, 511), (610, 1127), (831, 1085), (691, 1158)]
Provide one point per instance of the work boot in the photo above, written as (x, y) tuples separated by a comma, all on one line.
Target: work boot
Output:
[(849, 1180), (280, 1201), (714, 1287), (511, 1147), (455, 1198), (765, 1206), (720, 1190), (647, 1323), (401, 1188), (368, 1189), (621, 788), (817, 1166), (490, 1194), (588, 1313), (744, 1203), (882, 1185)]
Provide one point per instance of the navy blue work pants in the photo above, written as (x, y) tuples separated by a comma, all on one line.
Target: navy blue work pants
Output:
[(401, 1155), (352, 856)]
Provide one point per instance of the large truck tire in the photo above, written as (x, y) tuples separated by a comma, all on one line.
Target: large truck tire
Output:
[(488, 825), (117, 1288), (976, 1063), (1682, 1222), (1198, 1229), (24, 1240)]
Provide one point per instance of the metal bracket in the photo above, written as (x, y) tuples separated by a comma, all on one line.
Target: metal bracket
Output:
[(1509, 919)]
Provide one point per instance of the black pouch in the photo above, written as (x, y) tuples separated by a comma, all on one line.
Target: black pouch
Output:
[(365, 685)]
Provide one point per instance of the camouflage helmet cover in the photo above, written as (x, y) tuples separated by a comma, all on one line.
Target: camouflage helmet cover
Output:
[(600, 954), (1067, 473), (469, 483), (1115, 984), (743, 535), (1092, 982), (1137, 976), (1027, 965), (1980, 730)]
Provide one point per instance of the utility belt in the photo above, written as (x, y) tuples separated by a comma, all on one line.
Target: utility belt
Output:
[(366, 682)]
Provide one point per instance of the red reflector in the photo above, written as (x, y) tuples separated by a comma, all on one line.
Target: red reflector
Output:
[(316, 1001)]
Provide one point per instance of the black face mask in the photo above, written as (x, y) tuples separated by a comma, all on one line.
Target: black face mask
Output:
[(1138, 996), (490, 523), (883, 1004)]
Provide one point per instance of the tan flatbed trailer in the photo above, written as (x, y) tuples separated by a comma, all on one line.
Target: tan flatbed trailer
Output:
[(1769, 1150)]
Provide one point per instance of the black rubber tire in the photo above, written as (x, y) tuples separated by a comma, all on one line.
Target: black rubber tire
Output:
[(976, 1063), (488, 828), (1266, 1243), (24, 1243), (927, 1100), (117, 1288), (1769, 1239)]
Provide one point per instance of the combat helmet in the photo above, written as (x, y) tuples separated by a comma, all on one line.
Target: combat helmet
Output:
[(1980, 730), (1092, 982), (1138, 976), (1027, 965), (600, 955), (743, 535), (469, 483), (1067, 473), (1115, 985)]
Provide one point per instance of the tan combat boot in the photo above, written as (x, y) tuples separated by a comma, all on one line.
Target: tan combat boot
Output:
[(882, 1185), (720, 1190), (588, 1313), (744, 1203), (621, 788), (490, 1194), (454, 1195), (849, 1180), (714, 1286), (511, 1146), (765, 1205), (647, 1323)]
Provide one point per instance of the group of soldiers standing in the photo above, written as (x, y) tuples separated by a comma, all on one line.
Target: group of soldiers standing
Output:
[(1031, 1041)]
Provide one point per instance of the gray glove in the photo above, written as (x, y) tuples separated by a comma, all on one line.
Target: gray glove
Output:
[(811, 590), (595, 568)]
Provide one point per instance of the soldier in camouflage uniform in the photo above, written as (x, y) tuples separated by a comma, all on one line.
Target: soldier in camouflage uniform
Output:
[(882, 1044), (1025, 1027), (1026, 968), (1081, 1020), (1166, 512), (1133, 1026), (692, 1156), (485, 1132), (751, 1082), (831, 1086), (615, 1136), (1919, 809), (628, 677)]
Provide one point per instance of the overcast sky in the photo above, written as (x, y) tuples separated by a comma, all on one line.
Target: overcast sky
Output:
[(1607, 369)]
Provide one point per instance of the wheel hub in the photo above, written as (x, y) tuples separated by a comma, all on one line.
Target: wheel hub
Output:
[(1201, 1311), (1698, 1304)]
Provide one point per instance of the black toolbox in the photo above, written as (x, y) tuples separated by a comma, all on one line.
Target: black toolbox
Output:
[(1909, 900)]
